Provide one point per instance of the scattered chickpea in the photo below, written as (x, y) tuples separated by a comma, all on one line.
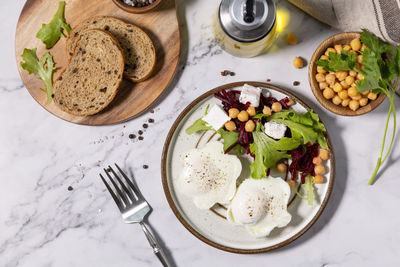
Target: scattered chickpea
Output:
[(363, 101), (317, 161), (290, 102), (233, 113), (276, 107), (319, 169), (346, 48), (341, 75), (243, 116), (338, 48), (320, 77), (328, 93), (353, 73), (354, 105), (291, 39), (330, 49), (345, 102), (267, 111), (320, 69), (336, 100), (343, 94), (355, 44), (356, 97), (323, 57), (372, 96), (352, 91), (349, 80), (298, 63), (281, 167), (337, 87), (318, 179), (359, 59), (291, 183), (330, 78), (230, 126), (249, 126), (251, 111), (323, 85), (324, 154)]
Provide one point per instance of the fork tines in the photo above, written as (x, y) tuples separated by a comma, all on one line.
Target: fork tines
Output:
[(125, 193)]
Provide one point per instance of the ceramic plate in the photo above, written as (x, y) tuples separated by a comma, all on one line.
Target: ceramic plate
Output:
[(210, 226)]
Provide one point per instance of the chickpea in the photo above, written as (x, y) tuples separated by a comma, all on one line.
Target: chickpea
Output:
[(345, 102), (281, 167), (349, 80), (363, 101), (324, 154), (291, 39), (336, 100), (363, 47), (352, 91), (343, 95), (276, 107), (249, 126), (330, 78), (353, 52), (320, 69), (318, 179), (323, 85), (291, 183), (338, 48), (359, 59), (372, 96), (233, 113), (319, 169), (267, 111), (341, 75), (230, 126), (328, 93), (320, 77), (353, 73), (355, 44), (251, 111), (356, 97), (360, 76), (317, 161), (354, 105), (290, 102), (298, 63), (323, 57), (337, 87), (346, 48), (330, 49), (243, 116), (344, 85)]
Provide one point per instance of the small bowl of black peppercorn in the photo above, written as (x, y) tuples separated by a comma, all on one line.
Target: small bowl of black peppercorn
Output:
[(137, 6)]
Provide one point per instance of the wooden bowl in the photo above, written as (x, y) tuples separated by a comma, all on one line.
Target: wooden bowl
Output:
[(343, 39), (136, 10)]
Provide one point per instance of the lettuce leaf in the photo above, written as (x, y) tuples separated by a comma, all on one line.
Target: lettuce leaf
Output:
[(230, 139), (268, 152), (199, 124), (308, 187), (52, 32)]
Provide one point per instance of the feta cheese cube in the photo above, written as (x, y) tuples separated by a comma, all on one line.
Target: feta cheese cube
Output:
[(275, 130), (216, 117), (250, 94)]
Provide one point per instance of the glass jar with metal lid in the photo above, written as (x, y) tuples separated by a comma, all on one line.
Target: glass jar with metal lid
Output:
[(245, 28)]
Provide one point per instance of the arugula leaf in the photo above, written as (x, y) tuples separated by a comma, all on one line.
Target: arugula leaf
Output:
[(52, 32), (343, 61), (268, 152), (230, 138), (43, 68), (199, 124)]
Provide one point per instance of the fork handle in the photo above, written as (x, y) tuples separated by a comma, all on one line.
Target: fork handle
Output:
[(154, 244)]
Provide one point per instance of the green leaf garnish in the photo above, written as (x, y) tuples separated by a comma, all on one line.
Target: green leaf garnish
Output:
[(343, 61), (43, 68), (199, 124), (52, 32), (230, 138)]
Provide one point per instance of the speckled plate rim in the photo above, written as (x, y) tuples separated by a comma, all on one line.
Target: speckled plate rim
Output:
[(168, 192)]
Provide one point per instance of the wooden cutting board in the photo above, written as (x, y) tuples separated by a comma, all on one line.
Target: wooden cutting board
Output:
[(160, 24)]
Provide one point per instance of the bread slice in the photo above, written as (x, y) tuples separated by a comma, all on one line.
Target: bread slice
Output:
[(139, 52), (91, 80)]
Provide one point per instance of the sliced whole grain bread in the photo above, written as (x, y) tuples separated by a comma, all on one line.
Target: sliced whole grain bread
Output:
[(91, 80), (139, 51)]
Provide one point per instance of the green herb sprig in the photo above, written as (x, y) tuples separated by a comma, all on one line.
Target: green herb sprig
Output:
[(381, 75)]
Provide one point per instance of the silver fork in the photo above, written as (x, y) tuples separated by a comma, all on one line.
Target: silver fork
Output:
[(133, 207)]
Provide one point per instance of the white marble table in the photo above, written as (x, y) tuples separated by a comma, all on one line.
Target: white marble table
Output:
[(42, 223)]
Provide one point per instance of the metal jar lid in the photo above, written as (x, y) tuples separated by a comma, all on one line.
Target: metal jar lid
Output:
[(247, 20)]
